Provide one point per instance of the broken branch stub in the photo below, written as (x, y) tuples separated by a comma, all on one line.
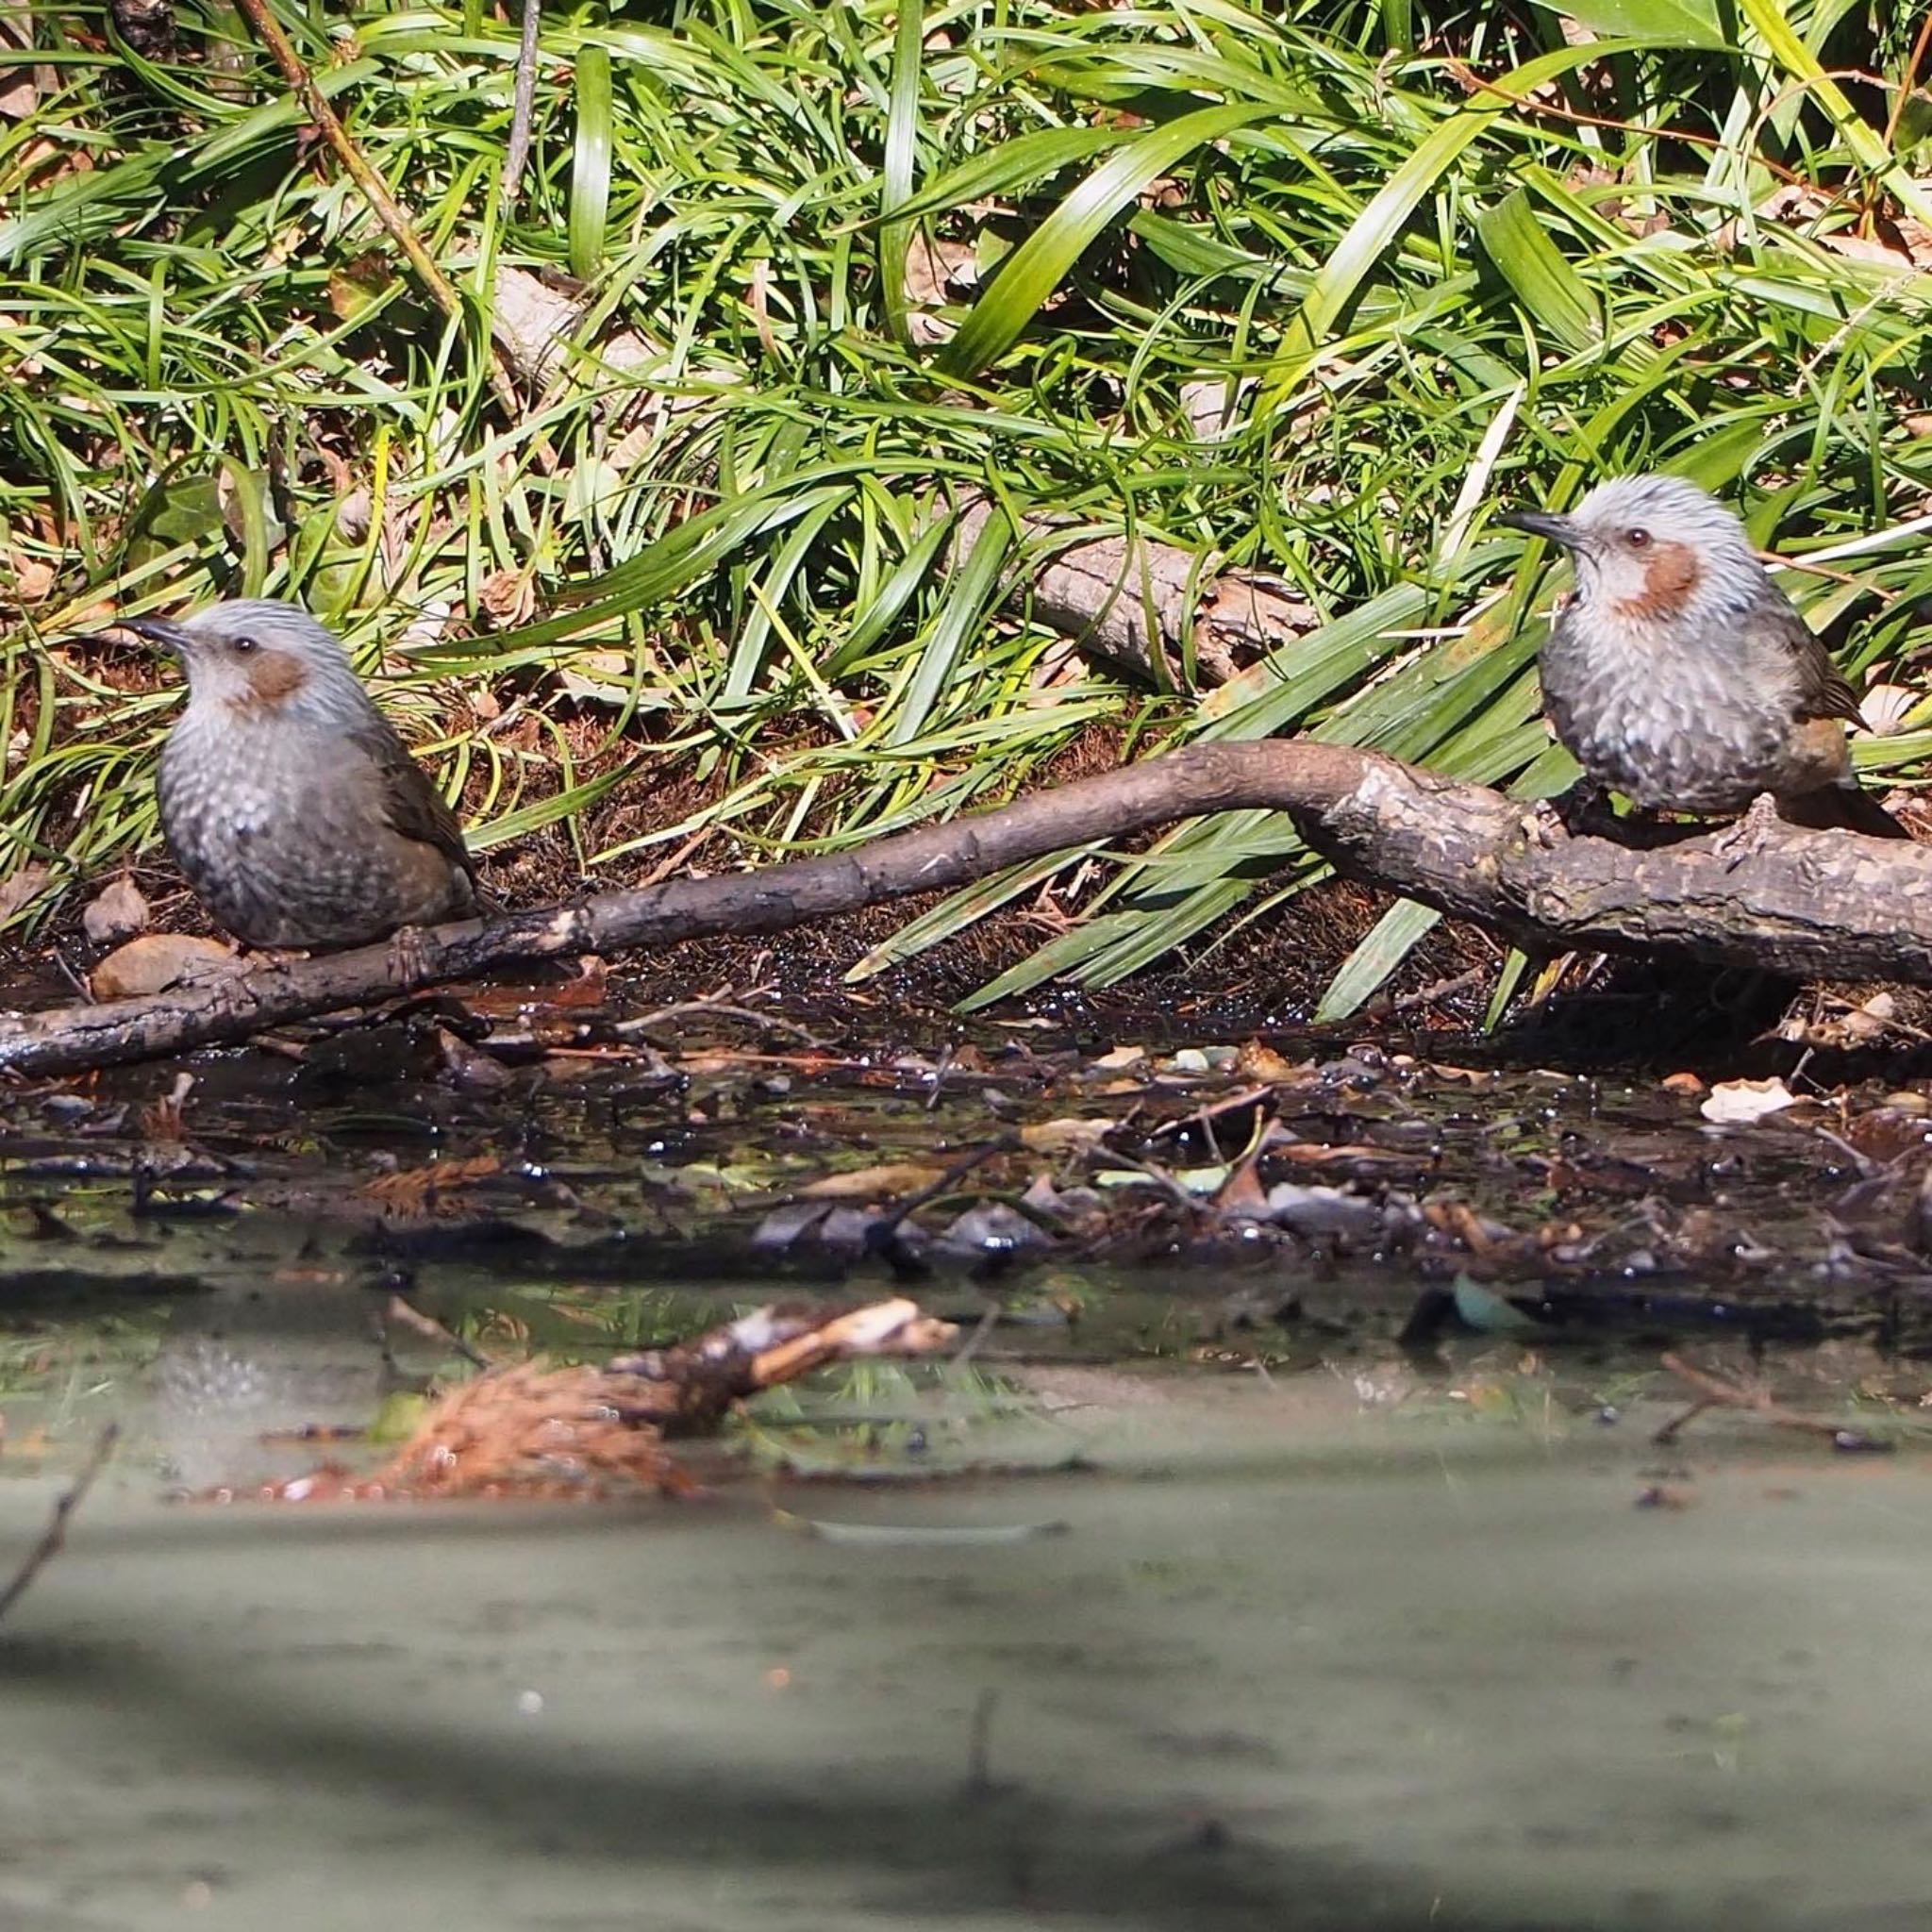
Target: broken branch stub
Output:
[(1807, 904), (1144, 607)]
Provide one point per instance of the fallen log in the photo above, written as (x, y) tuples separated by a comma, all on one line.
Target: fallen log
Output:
[(1807, 904)]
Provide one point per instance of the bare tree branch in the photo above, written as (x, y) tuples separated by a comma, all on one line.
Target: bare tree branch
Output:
[(1805, 902), (517, 151), (54, 1538)]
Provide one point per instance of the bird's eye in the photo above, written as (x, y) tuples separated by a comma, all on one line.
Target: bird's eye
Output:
[(1637, 538), (242, 647)]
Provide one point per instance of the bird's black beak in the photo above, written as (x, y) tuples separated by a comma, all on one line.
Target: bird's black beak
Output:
[(1543, 523), (160, 631)]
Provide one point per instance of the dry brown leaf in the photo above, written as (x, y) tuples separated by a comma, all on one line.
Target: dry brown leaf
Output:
[(20, 888), (117, 912), (19, 87), (507, 596), (353, 513), (886, 1182), (416, 1190), (1259, 1062), (157, 961), (1241, 1196), (937, 271), (1065, 1135), (33, 577)]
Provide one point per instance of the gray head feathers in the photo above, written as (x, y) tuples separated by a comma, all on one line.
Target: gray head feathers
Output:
[(1654, 550), (258, 657)]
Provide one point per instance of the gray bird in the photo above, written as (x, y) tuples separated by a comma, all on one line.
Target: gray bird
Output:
[(287, 799), (1679, 674)]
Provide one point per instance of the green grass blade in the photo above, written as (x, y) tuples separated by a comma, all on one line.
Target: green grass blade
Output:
[(895, 177), (1041, 262), (1363, 974), (590, 162)]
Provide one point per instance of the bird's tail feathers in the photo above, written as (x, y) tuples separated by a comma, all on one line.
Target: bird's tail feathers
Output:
[(1841, 808)]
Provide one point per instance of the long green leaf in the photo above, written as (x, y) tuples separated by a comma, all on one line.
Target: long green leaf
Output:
[(590, 171), (895, 177), (1788, 48), (1041, 263), (968, 596), (1516, 242), (1656, 23), (1371, 235), (1363, 974)]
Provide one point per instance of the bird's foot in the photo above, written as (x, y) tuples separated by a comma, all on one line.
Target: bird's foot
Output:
[(1749, 836), (1583, 810), (408, 955), (1543, 824)]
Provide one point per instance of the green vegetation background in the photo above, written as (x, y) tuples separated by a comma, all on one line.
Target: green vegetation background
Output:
[(1306, 288)]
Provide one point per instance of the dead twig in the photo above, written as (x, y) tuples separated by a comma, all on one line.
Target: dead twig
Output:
[(1472, 82), (722, 1007), (884, 1228), (55, 1536), (366, 177), (400, 1313), (1442, 990), (1720, 1391), (517, 152)]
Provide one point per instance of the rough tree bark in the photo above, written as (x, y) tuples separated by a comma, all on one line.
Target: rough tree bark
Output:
[(1802, 903)]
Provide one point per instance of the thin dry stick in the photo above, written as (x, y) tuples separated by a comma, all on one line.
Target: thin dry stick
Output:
[(55, 1535), (953, 1174), (375, 189), (1719, 1391), (518, 152), (1467, 78), (1907, 85), (404, 1314), (718, 1009)]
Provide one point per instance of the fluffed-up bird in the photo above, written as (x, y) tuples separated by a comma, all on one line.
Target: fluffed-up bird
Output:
[(287, 799), (1679, 674)]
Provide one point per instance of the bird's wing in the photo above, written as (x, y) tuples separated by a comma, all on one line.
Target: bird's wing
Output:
[(1823, 691), (411, 803)]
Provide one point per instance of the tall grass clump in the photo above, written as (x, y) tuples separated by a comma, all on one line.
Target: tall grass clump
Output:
[(1304, 289)]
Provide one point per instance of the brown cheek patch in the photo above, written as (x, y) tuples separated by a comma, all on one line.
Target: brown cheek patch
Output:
[(1670, 576), (272, 676)]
